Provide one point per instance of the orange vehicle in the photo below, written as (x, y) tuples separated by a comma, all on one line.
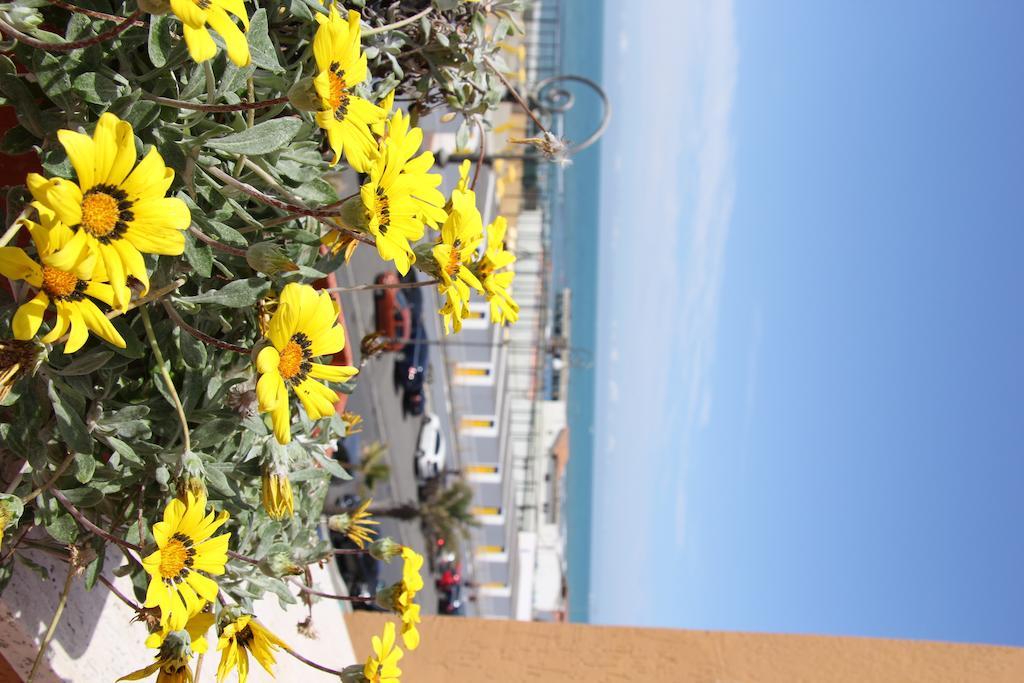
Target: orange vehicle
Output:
[(392, 314)]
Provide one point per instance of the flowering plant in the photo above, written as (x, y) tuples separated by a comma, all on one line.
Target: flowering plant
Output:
[(171, 360)]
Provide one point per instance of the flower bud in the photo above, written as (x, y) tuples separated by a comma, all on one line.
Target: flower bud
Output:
[(268, 258), (388, 597), (339, 523), (352, 214), (353, 674), (303, 96), (192, 478), (278, 500), (385, 549), (279, 565), (177, 645), (11, 508)]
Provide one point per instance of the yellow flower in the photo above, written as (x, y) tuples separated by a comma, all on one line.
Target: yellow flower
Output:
[(195, 15), (352, 422), (461, 234), (241, 636), (413, 582), (115, 212), (382, 665), (504, 308), (185, 554), (303, 327), (176, 649), (355, 525), (401, 195), (196, 627), (341, 65), (277, 493), (67, 288), (17, 359)]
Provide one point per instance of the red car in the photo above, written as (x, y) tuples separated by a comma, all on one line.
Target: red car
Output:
[(393, 317)]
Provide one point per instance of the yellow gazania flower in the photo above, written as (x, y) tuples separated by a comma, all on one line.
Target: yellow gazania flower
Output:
[(352, 422), (67, 288), (401, 195), (197, 626), (341, 65), (304, 326), (504, 308), (185, 554), (115, 211), (461, 234), (17, 359), (176, 649), (356, 525), (387, 104), (412, 562), (237, 639), (276, 488), (195, 15), (382, 665)]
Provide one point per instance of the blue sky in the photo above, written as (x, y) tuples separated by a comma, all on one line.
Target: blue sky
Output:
[(809, 411)]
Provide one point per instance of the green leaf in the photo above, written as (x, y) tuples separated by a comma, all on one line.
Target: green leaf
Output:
[(199, 256), (193, 351), (92, 571), (96, 88), (39, 569), (85, 467), (86, 363), (237, 294), (159, 43), (69, 424), (62, 527), (262, 138), (263, 52), (18, 140), (213, 432), (124, 450)]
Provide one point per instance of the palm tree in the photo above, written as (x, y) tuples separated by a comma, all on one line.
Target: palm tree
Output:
[(373, 467), (446, 513)]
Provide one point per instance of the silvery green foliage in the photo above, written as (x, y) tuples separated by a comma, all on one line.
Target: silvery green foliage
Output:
[(103, 413)]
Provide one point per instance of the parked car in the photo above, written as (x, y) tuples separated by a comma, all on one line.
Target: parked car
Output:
[(392, 314), (411, 369), (349, 449), (450, 602), (430, 449)]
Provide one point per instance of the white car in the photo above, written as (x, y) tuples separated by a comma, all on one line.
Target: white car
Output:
[(430, 451)]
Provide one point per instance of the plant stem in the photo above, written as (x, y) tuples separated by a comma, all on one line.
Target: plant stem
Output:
[(483, 153), (15, 226), (319, 214), (93, 13), (515, 94), (309, 662), (243, 558), (84, 521), (199, 666), (399, 24), (396, 285), (25, 39), (113, 589), (151, 336), (50, 482), (332, 596), (45, 642), (214, 108), (220, 246), (350, 551), (13, 543), (201, 336)]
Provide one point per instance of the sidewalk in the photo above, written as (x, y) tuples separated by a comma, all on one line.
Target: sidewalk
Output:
[(96, 641)]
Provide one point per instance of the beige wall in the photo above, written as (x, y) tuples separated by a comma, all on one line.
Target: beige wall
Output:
[(459, 649)]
